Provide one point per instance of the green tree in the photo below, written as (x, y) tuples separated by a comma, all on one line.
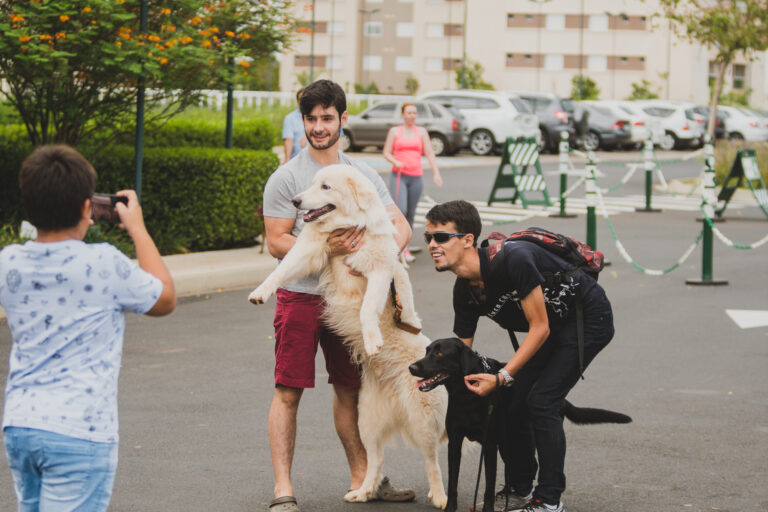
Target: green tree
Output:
[(72, 68), (584, 88), (471, 77), (642, 91), (411, 85), (730, 28)]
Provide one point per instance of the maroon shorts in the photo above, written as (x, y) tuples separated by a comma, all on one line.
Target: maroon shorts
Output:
[(298, 330)]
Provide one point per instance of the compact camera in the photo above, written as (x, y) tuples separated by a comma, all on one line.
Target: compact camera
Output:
[(104, 207)]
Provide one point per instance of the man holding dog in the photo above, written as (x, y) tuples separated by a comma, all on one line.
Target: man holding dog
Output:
[(298, 326), (515, 289)]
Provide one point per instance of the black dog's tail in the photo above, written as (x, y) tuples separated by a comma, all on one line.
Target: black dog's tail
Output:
[(588, 415)]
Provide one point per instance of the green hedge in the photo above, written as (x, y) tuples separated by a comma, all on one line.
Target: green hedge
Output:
[(248, 134), (194, 199)]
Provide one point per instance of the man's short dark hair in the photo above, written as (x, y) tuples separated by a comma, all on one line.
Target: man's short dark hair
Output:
[(462, 213), (325, 93), (55, 181)]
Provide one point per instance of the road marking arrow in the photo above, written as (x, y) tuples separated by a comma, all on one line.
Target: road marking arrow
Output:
[(747, 318)]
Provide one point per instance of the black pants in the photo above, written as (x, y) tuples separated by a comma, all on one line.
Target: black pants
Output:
[(532, 421)]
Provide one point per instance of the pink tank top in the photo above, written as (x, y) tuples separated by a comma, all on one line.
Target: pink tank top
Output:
[(408, 151)]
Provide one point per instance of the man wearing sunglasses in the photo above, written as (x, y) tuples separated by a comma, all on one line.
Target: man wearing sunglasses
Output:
[(523, 288)]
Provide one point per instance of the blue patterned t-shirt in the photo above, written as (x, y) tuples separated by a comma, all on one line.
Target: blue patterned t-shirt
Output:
[(65, 303)]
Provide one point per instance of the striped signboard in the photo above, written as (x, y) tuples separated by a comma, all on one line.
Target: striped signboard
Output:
[(523, 153), (518, 156)]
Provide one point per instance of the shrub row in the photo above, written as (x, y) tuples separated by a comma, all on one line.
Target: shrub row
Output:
[(193, 198)]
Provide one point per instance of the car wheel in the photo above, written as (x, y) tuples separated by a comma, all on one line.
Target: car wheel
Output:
[(439, 144), (347, 144), (591, 141), (668, 141), (481, 142), (735, 136)]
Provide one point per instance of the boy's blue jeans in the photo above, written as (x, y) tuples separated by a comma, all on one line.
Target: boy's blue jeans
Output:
[(53, 472)]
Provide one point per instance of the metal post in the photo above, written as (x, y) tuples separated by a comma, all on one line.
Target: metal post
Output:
[(649, 167), (708, 200), (230, 104), (590, 187), (563, 147), (138, 153)]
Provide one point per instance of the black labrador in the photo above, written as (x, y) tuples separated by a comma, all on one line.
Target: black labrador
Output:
[(478, 418)]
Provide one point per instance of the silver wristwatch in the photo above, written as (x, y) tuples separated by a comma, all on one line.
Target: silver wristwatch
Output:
[(508, 379)]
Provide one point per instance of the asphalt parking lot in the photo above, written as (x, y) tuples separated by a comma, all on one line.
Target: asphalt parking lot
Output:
[(195, 387)]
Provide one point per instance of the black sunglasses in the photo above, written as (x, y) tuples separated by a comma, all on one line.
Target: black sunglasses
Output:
[(440, 237)]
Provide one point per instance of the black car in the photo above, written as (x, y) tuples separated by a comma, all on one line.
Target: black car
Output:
[(703, 111), (600, 129), (555, 115), (445, 125)]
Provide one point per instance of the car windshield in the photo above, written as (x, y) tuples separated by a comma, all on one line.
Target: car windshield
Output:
[(658, 111), (567, 105)]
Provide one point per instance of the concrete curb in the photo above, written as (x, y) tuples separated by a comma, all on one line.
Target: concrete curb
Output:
[(215, 271)]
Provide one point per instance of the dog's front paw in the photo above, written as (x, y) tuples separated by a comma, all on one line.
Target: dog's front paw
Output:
[(411, 319), (372, 341), (358, 495), (440, 500), (260, 295)]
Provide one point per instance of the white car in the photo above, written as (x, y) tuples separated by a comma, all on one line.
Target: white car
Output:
[(491, 117), (644, 124), (742, 124), (682, 126)]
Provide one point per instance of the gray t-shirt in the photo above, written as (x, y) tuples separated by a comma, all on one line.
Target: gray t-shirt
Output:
[(296, 176)]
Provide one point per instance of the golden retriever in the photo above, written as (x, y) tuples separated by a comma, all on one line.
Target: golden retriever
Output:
[(360, 310)]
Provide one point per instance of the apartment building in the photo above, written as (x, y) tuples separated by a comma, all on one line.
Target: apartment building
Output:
[(521, 44)]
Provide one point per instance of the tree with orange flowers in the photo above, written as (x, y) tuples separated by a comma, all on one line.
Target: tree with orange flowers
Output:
[(71, 68)]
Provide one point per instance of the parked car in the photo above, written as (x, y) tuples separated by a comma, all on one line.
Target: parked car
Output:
[(703, 110), (555, 115), (602, 130), (742, 124), (445, 125), (491, 116), (641, 125), (682, 126)]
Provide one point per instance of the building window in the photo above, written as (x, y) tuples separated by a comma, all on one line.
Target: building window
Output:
[(555, 21), (739, 76), (403, 64), (372, 28), (453, 29), (434, 30), (597, 63), (335, 62), (451, 64), (372, 62), (554, 62), (336, 27), (598, 22), (405, 29), (433, 65)]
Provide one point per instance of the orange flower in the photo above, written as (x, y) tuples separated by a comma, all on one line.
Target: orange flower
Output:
[(86, 9), (61, 35), (163, 60), (24, 39), (206, 44), (64, 17), (244, 63), (17, 17), (230, 33), (214, 30), (45, 37), (165, 11), (119, 43)]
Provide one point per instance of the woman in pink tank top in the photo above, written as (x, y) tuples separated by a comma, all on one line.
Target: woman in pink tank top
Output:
[(404, 148)]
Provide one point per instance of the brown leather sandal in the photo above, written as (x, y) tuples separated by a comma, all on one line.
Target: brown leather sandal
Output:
[(284, 504), (387, 492)]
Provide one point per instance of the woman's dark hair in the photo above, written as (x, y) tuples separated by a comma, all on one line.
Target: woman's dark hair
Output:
[(462, 213), (55, 181), (325, 93)]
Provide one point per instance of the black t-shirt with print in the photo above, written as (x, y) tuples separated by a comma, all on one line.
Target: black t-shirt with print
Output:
[(514, 272)]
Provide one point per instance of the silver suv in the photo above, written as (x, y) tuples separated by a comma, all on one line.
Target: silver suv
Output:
[(491, 116), (446, 126)]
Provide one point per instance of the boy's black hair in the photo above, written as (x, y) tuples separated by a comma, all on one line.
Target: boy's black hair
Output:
[(55, 181), (325, 93), (462, 213)]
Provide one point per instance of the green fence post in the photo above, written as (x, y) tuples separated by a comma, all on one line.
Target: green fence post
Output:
[(649, 167), (563, 150), (708, 201), (590, 187)]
